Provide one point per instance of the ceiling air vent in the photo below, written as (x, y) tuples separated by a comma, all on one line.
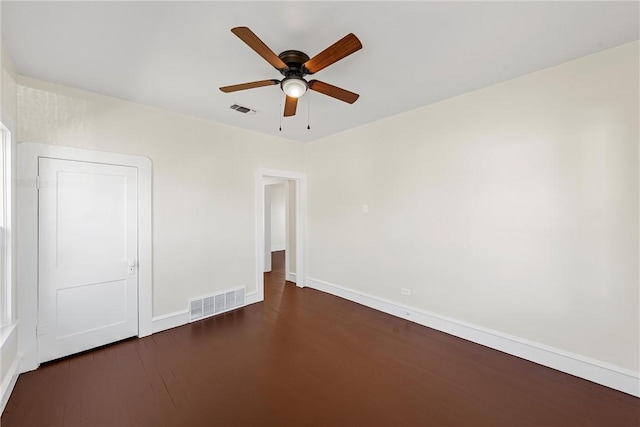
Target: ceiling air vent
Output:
[(242, 109)]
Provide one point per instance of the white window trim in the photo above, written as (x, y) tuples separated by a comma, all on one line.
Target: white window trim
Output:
[(6, 263)]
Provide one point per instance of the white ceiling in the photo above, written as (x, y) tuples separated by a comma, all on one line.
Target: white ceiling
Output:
[(175, 55)]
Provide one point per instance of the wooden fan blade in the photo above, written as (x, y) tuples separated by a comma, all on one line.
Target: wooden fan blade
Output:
[(334, 53), (333, 91), (251, 85), (247, 36), (290, 106)]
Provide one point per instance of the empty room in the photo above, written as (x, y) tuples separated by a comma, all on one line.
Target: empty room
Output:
[(321, 213)]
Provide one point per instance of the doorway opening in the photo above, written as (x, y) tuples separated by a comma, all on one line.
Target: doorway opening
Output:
[(279, 223), (280, 227)]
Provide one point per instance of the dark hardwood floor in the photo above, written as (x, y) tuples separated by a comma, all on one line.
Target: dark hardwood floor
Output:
[(307, 358)]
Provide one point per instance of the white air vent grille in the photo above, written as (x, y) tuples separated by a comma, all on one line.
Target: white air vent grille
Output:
[(200, 308), (230, 299), (242, 109), (196, 309), (219, 303), (208, 306), (239, 297)]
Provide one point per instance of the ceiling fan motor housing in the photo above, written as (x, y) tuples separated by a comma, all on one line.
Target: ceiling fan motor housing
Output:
[(294, 60), (294, 84)]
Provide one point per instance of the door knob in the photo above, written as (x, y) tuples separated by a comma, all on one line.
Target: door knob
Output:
[(132, 266)]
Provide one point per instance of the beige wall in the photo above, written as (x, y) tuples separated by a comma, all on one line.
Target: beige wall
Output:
[(203, 181), (514, 207), (8, 87)]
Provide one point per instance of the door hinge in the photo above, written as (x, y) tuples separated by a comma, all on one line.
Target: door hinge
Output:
[(40, 330), (38, 182)]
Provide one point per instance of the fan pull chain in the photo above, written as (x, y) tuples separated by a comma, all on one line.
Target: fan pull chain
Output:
[(280, 111), (308, 111)]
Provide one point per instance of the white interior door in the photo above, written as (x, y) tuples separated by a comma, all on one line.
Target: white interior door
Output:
[(88, 245)]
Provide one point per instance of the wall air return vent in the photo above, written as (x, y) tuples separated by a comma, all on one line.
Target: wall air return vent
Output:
[(195, 311), (210, 305), (219, 303), (242, 109)]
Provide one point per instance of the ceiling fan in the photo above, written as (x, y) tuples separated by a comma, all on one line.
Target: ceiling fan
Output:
[(295, 65)]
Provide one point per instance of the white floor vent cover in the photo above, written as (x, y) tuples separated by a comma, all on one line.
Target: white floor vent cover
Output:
[(210, 305)]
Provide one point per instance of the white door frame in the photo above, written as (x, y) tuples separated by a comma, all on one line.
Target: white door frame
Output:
[(288, 275), (301, 230), (27, 230), (267, 228)]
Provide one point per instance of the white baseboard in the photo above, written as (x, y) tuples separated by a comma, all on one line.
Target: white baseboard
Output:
[(291, 277), (252, 298), (9, 383), (593, 370), (276, 248), (171, 320)]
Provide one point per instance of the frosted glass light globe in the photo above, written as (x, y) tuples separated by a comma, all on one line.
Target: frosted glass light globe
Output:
[(294, 87)]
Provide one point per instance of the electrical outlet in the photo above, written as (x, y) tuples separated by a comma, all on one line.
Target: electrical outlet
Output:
[(405, 291), (365, 208)]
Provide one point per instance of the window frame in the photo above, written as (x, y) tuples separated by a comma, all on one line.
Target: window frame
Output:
[(6, 261)]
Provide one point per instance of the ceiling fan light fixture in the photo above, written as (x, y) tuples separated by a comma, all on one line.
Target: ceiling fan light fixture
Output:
[(294, 65), (294, 86)]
